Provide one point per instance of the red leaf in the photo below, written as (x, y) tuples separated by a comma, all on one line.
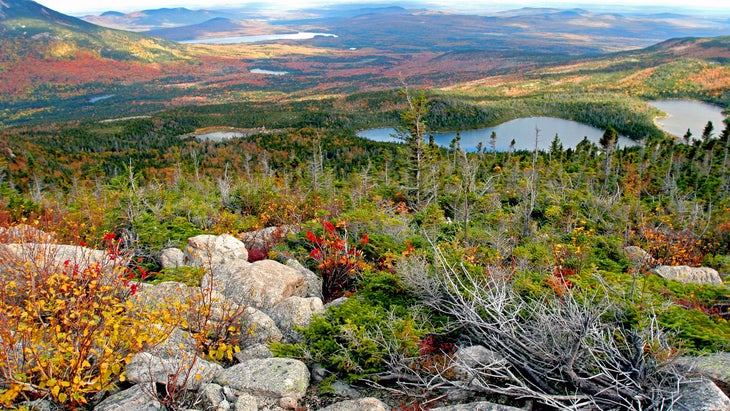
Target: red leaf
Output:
[(329, 227)]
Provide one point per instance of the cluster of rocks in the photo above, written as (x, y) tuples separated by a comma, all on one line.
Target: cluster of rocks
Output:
[(273, 299), (277, 298), (270, 298)]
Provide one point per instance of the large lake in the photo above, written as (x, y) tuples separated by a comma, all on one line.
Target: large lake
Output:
[(255, 39), (688, 114), (522, 130)]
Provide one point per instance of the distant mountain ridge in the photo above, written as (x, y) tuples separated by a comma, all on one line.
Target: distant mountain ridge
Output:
[(154, 19), (30, 29), (217, 27), (570, 31), (26, 9)]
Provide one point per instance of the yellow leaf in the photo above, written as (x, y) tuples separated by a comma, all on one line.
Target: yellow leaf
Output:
[(198, 377), (55, 390), (62, 397)]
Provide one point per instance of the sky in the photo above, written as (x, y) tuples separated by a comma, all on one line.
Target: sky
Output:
[(82, 7)]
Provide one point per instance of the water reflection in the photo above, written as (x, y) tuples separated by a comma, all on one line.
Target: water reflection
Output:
[(521, 130)]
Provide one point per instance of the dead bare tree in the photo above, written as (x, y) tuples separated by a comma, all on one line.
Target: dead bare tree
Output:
[(568, 353)]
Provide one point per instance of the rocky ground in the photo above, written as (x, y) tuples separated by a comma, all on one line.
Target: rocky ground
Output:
[(274, 298)]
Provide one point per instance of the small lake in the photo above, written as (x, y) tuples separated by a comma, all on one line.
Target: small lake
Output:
[(263, 37), (93, 100), (522, 130), (268, 72), (688, 114)]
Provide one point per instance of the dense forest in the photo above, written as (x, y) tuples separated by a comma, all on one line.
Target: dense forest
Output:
[(545, 227)]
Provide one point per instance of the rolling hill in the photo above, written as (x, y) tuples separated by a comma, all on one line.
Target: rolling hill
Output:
[(421, 27), (218, 27), (153, 19)]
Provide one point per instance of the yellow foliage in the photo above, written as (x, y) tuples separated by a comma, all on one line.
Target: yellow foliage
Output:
[(68, 332)]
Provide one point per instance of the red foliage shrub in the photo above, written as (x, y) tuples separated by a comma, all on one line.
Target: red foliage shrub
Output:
[(338, 262)]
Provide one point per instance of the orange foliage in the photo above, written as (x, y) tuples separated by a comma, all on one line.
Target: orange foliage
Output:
[(713, 78), (673, 247)]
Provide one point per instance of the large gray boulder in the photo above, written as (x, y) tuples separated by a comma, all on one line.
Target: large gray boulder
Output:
[(702, 395), (314, 282), (135, 398), (186, 371), (268, 378), (639, 257), (172, 258), (212, 250), (224, 273), (267, 237), (360, 404), (295, 312), (715, 366), (258, 328), (264, 284), (686, 274)]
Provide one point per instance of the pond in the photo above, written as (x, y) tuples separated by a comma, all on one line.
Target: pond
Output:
[(688, 114), (522, 130), (93, 100), (258, 38), (268, 72)]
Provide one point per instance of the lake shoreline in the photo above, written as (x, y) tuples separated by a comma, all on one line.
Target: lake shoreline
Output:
[(696, 109), (682, 115), (521, 130)]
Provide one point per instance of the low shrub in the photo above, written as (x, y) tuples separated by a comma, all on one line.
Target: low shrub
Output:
[(188, 275), (359, 337), (66, 332)]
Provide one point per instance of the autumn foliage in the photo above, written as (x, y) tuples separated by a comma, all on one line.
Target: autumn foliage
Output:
[(67, 328), (337, 261), (673, 247)]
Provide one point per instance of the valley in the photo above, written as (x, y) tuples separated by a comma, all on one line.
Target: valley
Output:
[(51, 74)]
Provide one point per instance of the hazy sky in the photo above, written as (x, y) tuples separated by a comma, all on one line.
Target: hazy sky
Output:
[(78, 7)]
